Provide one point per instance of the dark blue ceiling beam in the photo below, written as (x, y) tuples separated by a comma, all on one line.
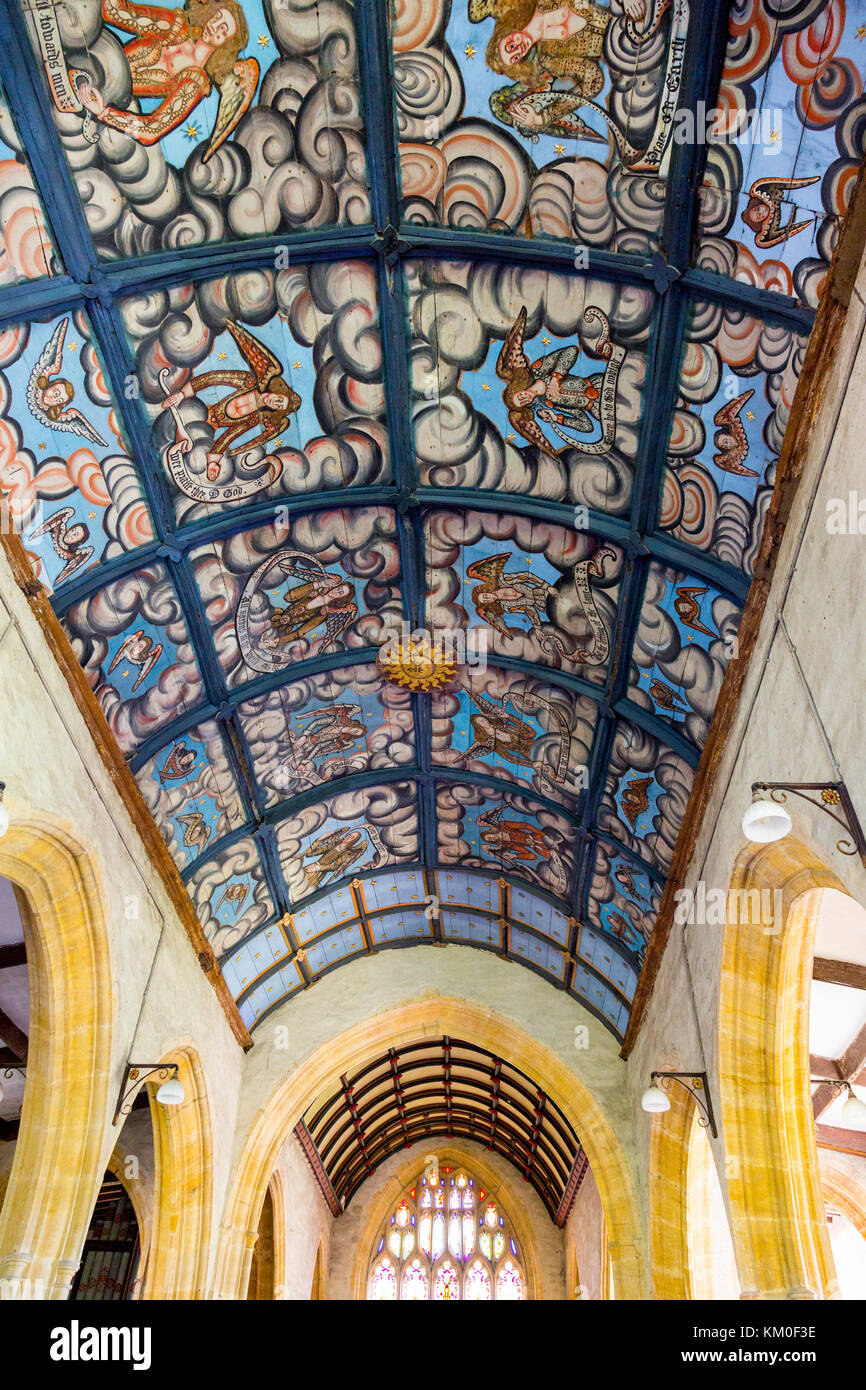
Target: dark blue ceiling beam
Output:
[(723, 576)]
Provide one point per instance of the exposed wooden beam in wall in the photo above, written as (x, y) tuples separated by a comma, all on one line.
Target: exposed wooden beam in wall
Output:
[(13, 954), (120, 775), (839, 972), (843, 1141)]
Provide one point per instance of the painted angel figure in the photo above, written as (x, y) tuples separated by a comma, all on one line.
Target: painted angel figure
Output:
[(260, 399), (321, 598), (138, 649), (68, 540), (498, 594), (50, 401), (546, 387), (179, 55), (539, 36), (334, 852)]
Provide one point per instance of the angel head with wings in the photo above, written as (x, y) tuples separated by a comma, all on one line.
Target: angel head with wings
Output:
[(49, 395)]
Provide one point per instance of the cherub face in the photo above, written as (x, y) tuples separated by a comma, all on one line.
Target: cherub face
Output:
[(219, 28), (514, 47), (76, 534), (58, 393), (274, 401)]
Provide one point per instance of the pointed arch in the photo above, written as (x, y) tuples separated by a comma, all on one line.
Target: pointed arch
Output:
[(397, 1026), (59, 1161), (183, 1186), (777, 1207)]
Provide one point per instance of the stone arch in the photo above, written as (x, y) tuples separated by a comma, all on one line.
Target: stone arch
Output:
[(848, 1195), (398, 1026), (669, 1147), (776, 1204), (183, 1186), (318, 1288), (59, 1159), (505, 1190)]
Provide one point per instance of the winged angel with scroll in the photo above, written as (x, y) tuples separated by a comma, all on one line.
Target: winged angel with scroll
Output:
[(546, 390), (178, 55)]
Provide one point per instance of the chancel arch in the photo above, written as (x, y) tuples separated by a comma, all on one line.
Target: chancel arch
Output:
[(405, 1024)]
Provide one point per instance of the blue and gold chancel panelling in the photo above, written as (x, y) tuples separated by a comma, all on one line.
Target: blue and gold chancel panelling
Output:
[(330, 331)]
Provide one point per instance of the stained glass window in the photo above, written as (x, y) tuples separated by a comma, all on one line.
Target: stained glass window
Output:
[(465, 1247)]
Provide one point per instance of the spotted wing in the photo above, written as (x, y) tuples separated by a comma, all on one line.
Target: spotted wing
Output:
[(236, 93)]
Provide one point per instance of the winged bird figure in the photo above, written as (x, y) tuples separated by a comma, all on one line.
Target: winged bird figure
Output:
[(68, 541), (730, 439), (235, 894), (138, 650), (50, 401), (635, 799), (196, 832), (763, 213), (688, 609)]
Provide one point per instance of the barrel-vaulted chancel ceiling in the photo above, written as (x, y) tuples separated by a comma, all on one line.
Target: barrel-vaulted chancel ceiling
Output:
[(317, 319)]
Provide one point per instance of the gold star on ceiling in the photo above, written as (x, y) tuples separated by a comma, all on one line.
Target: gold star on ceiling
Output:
[(222, 357), (296, 365), (73, 347), (509, 436), (545, 341), (190, 130), (43, 445), (559, 149), (775, 137), (861, 31), (750, 414), (469, 50), (278, 442), (91, 515), (264, 41), (485, 387)]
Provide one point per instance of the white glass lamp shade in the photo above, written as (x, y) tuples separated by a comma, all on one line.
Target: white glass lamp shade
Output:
[(170, 1092), (853, 1113), (654, 1101), (766, 821)]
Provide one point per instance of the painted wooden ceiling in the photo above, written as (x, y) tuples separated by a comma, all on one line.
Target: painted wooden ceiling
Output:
[(320, 322)]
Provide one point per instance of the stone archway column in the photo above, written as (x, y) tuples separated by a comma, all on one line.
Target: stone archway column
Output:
[(58, 1166)]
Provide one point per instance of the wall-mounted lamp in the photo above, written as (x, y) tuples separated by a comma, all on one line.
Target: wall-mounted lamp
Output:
[(4, 814), (853, 1112), (136, 1073), (8, 1070), (654, 1101), (767, 820)]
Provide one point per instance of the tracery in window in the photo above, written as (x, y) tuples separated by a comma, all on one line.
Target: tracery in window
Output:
[(446, 1239)]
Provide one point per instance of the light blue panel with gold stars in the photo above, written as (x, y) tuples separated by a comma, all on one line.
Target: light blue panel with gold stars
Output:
[(335, 948), (256, 955), (538, 953), (597, 951), (538, 913), (273, 990), (324, 914), (384, 890), (474, 930), (407, 925)]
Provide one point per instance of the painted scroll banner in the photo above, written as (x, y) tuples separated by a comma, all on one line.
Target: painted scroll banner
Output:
[(44, 24)]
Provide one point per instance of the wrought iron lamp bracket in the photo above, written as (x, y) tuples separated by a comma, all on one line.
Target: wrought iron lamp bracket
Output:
[(831, 794), (134, 1076), (697, 1085)]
